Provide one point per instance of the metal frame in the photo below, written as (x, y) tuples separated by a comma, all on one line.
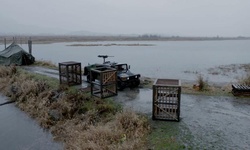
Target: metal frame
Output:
[(70, 73)]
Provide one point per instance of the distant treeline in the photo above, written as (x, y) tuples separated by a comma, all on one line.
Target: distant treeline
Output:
[(21, 39)]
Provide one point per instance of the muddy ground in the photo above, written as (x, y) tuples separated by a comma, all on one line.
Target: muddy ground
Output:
[(207, 122)]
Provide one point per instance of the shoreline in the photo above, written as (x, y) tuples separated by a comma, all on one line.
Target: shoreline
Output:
[(47, 39), (112, 44), (212, 88), (188, 87)]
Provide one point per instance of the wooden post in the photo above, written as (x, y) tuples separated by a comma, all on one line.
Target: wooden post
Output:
[(30, 46), (5, 43)]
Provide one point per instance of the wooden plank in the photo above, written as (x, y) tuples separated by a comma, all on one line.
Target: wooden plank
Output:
[(167, 112), (109, 77)]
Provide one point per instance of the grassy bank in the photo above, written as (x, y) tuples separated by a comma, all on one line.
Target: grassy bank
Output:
[(74, 118), (190, 87)]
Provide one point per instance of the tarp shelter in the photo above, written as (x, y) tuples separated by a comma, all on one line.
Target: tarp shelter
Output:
[(15, 55)]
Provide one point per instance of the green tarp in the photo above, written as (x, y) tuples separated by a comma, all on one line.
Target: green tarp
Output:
[(15, 55)]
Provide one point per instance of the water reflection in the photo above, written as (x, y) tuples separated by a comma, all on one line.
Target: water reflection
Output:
[(137, 99)]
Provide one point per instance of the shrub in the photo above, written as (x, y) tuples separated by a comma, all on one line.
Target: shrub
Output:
[(202, 84)]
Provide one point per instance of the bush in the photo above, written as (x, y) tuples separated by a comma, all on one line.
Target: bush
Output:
[(202, 84)]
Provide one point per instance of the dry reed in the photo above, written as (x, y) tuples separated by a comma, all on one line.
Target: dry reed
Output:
[(75, 118)]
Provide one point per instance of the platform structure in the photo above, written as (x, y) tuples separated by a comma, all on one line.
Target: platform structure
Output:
[(166, 99), (240, 90), (103, 82), (70, 73)]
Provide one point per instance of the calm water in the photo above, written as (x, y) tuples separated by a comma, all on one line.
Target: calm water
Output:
[(166, 59), (19, 132)]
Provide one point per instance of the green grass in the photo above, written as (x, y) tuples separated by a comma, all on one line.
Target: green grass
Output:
[(104, 107), (53, 83), (47, 64), (163, 136)]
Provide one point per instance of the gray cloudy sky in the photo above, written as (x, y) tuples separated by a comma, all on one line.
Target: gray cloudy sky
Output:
[(167, 17)]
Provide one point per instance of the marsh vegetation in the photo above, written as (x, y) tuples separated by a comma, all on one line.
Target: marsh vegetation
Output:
[(74, 118)]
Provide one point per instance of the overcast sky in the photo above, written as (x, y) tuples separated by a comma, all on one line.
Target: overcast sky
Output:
[(164, 17)]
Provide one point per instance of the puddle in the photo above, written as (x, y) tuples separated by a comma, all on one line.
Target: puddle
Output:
[(20, 132)]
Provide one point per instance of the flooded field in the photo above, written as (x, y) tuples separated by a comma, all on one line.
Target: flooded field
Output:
[(164, 59), (207, 122), (20, 132)]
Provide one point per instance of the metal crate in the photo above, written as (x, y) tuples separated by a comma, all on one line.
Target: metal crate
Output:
[(70, 73)]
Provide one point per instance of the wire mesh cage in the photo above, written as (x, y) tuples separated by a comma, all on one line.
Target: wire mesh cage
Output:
[(70, 73)]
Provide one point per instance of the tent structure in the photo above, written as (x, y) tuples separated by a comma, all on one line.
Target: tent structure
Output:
[(15, 55)]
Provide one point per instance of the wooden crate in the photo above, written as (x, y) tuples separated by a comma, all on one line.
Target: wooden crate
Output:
[(166, 99), (103, 82), (70, 73)]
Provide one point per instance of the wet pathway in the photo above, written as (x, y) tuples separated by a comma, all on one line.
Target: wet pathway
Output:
[(207, 122), (20, 132)]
